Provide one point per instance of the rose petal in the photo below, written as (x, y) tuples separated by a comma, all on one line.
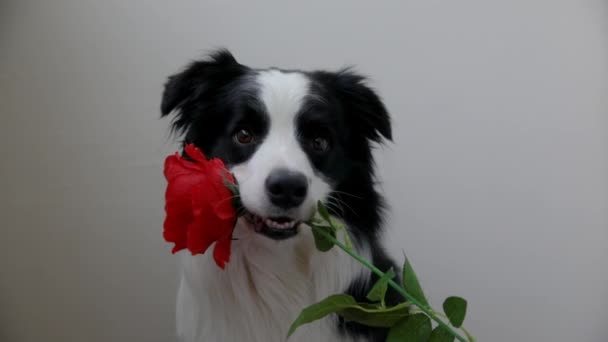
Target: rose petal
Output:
[(224, 209), (208, 226), (175, 166), (221, 251), (195, 153), (175, 227), (178, 202), (198, 241), (199, 205)]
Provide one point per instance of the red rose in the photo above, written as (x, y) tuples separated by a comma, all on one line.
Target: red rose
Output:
[(199, 205)]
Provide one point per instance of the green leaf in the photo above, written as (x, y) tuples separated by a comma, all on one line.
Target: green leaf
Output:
[(440, 334), (336, 223), (323, 243), (372, 316), (378, 291), (411, 284), (455, 308), (316, 221), (350, 310), (321, 309), (322, 209), (415, 328)]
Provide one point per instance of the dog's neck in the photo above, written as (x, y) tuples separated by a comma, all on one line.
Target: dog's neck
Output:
[(262, 290)]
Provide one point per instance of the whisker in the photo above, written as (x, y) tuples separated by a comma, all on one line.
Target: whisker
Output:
[(346, 193), (342, 204), (335, 207)]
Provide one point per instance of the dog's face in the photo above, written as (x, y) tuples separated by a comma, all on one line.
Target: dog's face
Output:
[(291, 138)]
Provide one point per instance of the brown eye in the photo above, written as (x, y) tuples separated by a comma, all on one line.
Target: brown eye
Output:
[(243, 137), (320, 144)]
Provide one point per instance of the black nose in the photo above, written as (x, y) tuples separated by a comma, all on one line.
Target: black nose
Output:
[(286, 189)]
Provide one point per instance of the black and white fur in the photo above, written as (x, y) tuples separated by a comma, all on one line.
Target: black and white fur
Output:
[(318, 126)]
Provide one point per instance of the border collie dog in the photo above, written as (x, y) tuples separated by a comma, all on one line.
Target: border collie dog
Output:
[(291, 138)]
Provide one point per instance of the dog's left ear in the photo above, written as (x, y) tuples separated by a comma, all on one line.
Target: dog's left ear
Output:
[(361, 101)]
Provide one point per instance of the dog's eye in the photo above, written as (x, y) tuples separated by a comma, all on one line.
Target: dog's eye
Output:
[(320, 144), (243, 137)]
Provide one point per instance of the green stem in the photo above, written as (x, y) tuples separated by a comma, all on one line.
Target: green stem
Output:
[(427, 311)]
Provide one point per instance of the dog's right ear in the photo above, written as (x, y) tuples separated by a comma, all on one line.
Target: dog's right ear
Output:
[(191, 91)]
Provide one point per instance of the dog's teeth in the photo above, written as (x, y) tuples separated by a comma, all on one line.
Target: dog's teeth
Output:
[(276, 225)]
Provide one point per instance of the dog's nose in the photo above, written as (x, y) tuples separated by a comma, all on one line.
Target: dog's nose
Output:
[(286, 189)]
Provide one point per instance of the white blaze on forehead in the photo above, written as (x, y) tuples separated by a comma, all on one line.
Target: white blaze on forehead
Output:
[(282, 94)]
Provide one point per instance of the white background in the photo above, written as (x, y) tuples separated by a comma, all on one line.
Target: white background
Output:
[(498, 176)]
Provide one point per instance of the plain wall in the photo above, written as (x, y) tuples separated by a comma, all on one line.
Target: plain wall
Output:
[(497, 178)]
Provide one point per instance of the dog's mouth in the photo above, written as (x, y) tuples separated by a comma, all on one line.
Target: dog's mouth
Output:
[(277, 228)]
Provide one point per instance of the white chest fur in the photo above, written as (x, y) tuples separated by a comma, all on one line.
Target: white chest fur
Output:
[(263, 289)]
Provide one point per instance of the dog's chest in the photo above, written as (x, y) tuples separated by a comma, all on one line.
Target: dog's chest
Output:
[(261, 292)]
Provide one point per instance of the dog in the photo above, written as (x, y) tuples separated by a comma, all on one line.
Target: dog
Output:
[(291, 138)]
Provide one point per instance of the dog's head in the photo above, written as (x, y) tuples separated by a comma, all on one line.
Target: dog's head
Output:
[(291, 138)]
